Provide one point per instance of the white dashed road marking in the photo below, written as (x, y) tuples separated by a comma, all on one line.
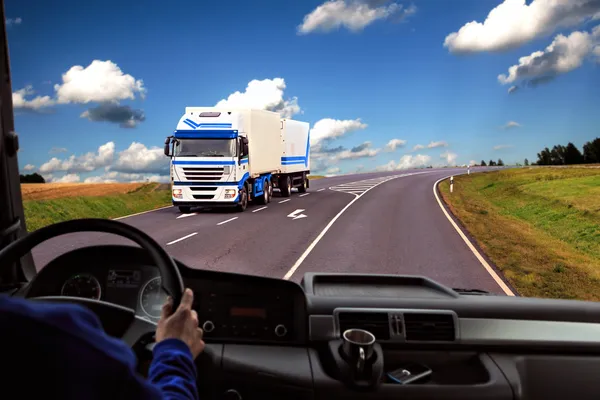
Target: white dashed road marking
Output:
[(183, 238), (227, 220)]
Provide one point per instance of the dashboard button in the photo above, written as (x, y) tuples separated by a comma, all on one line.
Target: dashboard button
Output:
[(280, 330), (208, 326)]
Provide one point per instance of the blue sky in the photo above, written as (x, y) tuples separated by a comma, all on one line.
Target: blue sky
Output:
[(361, 72)]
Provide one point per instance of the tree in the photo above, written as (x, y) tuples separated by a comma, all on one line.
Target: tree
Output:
[(483, 164), (492, 163), (557, 155), (500, 162), (544, 157), (572, 155), (526, 162), (591, 152), (32, 178)]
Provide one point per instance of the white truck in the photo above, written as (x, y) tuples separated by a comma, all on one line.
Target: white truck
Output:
[(227, 157)]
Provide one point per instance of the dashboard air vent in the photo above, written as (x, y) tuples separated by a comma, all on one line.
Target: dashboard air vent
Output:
[(429, 327), (375, 322)]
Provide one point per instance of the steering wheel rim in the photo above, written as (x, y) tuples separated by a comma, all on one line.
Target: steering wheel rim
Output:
[(171, 280)]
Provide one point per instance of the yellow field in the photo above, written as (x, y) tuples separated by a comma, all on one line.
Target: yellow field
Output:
[(46, 191)]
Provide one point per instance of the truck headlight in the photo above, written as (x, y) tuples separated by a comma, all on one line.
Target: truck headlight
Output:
[(177, 193), (230, 193), (227, 170)]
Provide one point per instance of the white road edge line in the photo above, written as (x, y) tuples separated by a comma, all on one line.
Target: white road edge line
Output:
[(183, 238), (259, 209), (320, 190), (227, 220), (464, 237), (305, 194), (298, 262), (283, 201), (140, 213)]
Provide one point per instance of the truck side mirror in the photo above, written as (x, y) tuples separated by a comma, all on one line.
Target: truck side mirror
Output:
[(167, 149), (244, 146)]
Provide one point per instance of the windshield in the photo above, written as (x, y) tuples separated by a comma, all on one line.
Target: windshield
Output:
[(204, 148), (456, 140)]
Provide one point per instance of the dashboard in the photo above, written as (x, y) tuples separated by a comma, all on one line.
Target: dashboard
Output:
[(270, 338)]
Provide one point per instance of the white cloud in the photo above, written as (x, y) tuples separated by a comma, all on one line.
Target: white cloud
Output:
[(29, 167), (449, 157), (35, 104), (267, 95), (138, 158), (512, 89), (84, 163), (360, 151), (68, 178), (472, 162), (99, 82), (514, 23), (328, 129), (393, 144), (13, 21), (563, 55), (406, 162), (333, 170), (56, 150), (511, 124), (353, 15), (125, 116), (503, 146), (431, 145)]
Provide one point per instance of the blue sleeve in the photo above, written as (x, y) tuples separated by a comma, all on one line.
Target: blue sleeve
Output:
[(74, 334), (173, 370)]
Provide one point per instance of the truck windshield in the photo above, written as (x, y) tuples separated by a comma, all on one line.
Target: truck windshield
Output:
[(204, 148)]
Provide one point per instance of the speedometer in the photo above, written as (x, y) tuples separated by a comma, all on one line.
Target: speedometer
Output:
[(82, 285), (153, 297)]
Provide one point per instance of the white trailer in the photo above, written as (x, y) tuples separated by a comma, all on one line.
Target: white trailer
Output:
[(228, 157)]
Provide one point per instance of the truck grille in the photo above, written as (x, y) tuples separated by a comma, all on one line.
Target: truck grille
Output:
[(203, 173)]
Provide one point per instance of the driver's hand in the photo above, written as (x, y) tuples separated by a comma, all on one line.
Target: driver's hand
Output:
[(181, 324)]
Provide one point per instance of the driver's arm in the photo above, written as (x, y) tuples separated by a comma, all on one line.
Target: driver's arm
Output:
[(92, 364)]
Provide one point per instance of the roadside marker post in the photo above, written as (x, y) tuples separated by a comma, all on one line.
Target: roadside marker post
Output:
[(451, 184)]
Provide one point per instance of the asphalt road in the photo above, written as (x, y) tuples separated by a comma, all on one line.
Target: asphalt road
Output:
[(393, 225)]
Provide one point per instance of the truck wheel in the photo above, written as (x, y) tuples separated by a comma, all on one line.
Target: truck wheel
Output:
[(270, 191), (185, 210), (302, 187), (265, 198), (243, 202), (286, 186)]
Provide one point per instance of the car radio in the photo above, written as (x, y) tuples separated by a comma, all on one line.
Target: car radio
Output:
[(226, 314)]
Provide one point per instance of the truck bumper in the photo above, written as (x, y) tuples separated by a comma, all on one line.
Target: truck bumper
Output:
[(205, 204)]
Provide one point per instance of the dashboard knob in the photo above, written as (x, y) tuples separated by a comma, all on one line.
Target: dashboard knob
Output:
[(232, 394), (280, 330), (208, 326)]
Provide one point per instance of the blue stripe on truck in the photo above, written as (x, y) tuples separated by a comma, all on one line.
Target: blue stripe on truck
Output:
[(205, 134), (204, 162)]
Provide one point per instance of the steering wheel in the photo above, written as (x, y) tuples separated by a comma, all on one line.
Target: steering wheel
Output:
[(117, 320)]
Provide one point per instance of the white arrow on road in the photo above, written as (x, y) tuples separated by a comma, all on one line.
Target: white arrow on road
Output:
[(295, 215), (187, 215)]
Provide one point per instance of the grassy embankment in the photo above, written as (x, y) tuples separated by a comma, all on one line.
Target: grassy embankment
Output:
[(540, 226), (48, 203)]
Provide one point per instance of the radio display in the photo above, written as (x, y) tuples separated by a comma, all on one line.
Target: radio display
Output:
[(248, 312)]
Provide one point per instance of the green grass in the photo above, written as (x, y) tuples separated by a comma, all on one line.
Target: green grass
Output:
[(40, 213), (540, 226)]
